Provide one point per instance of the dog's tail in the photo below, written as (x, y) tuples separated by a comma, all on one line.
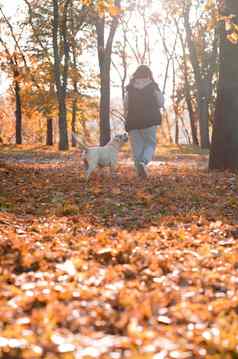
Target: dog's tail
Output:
[(80, 142)]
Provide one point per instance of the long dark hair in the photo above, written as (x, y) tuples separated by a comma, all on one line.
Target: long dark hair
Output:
[(143, 72)]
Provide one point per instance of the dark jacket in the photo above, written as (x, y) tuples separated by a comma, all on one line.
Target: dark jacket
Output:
[(144, 100)]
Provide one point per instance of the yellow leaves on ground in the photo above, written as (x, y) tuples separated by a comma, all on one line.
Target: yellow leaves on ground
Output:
[(116, 267)]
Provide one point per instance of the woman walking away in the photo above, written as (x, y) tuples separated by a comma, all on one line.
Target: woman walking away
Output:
[(142, 112)]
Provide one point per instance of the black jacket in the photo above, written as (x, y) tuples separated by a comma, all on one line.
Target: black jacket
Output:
[(143, 109)]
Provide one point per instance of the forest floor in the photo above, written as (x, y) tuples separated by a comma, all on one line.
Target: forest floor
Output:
[(117, 267)]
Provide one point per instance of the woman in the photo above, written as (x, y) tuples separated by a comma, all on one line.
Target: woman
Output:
[(142, 112)]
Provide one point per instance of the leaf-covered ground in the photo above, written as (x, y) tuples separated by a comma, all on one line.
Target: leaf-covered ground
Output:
[(117, 268)]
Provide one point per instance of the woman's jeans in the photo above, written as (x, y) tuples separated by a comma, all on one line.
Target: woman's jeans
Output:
[(143, 144)]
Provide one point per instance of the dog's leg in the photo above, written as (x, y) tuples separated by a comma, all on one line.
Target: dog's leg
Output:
[(85, 162), (113, 169), (88, 172), (87, 169), (91, 167)]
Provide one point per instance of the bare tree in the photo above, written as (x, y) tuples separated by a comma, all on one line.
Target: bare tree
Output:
[(61, 76), (187, 86), (203, 81), (14, 59), (104, 49)]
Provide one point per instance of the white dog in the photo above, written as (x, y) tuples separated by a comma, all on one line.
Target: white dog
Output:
[(102, 156)]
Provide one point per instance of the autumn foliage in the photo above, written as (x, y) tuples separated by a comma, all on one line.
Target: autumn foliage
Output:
[(116, 268)]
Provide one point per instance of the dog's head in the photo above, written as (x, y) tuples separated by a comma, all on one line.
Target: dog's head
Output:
[(122, 138)]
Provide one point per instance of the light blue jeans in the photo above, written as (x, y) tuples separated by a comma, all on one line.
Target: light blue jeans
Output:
[(143, 143)]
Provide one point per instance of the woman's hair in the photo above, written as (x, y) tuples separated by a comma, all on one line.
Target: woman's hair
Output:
[(143, 72)]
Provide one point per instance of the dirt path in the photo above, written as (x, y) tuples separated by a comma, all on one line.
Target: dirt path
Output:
[(62, 159), (197, 162)]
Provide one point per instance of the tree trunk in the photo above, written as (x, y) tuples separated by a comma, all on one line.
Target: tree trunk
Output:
[(176, 139), (104, 58), (105, 132), (18, 114), (166, 120), (185, 130), (124, 63), (49, 136), (192, 119), (175, 105), (201, 94), (73, 126), (188, 97), (61, 84), (224, 149), (203, 110), (104, 49), (63, 131)]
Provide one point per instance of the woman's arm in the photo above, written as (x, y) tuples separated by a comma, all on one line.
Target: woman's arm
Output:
[(159, 98)]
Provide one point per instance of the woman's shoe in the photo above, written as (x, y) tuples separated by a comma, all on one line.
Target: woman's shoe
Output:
[(142, 170)]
